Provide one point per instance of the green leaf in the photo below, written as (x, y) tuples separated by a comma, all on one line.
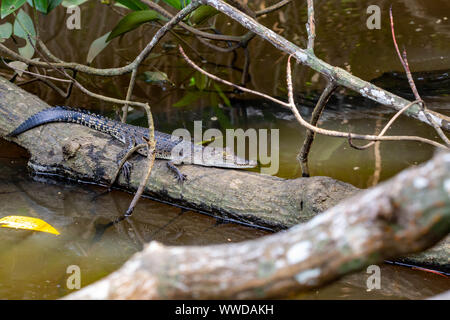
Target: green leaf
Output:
[(72, 3), (41, 5), (201, 14), (189, 98), (22, 21), (222, 95), (177, 4), (201, 80), (133, 4), (97, 46), (133, 20), (9, 6), (5, 31), (52, 4)]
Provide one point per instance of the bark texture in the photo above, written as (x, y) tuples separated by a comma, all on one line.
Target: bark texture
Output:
[(83, 154), (405, 214)]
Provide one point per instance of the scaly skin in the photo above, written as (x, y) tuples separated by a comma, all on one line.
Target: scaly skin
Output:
[(168, 147)]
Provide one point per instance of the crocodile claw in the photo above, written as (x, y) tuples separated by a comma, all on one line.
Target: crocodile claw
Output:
[(180, 176), (126, 170)]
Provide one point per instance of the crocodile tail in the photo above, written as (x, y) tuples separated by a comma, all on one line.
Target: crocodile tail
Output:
[(53, 114)]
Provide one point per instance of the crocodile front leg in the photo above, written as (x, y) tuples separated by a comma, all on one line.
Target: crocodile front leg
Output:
[(172, 167)]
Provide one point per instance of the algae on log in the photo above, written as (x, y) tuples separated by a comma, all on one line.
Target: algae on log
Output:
[(83, 154), (405, 214)]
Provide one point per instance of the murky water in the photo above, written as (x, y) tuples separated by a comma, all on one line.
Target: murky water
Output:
[(33, 265)]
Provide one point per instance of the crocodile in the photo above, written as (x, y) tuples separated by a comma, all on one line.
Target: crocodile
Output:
[(168, 147)]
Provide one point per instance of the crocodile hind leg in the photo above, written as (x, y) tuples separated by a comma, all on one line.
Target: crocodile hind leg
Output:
[(172, 167)]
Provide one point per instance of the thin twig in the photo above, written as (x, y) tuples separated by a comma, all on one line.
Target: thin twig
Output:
[(272, 8), (151, 160), (306, 147), (386, 127), (311, 26), (404, 61)]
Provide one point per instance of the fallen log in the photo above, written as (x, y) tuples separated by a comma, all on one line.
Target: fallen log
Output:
[(79, 153), (405, 214)]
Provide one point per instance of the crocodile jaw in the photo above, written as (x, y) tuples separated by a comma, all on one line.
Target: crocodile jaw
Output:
[(217, 157)]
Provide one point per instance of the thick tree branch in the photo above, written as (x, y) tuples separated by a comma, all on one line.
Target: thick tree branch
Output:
[(408, 213)]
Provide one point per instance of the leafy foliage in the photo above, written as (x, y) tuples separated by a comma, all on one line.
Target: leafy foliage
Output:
[(134, 5), (24, 28), (9, 6), (97, 46), (177, 4), (201, 14), (133, 20), (5, 31), (45, 6)]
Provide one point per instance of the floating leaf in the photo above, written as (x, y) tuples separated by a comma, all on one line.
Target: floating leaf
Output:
[(27, 223), (5, 31), (97, 46), (133, 4), (133, 20), (9, 6), (22, 21)]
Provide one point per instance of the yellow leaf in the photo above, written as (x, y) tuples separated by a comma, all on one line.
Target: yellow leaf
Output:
[(206, 142), (27, 223)]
